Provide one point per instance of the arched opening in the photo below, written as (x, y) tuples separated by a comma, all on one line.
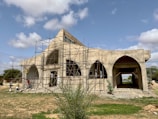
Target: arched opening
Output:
[(53, 57), (32, 77), (97, 70), (72, 69), (127, 73), (33, 73)]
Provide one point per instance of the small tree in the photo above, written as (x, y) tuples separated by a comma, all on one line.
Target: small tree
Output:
[(110, 88), (10, 74), (152, 73), (73, 103)]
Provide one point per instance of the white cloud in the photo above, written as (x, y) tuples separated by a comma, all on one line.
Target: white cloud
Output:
[(154, 56), (148, 40), (155, 14), (150, 36), (29, 21), (83, 13), (153, 61), (113, 12), (78, 1), (52, 24), (23, 41), (35, 10), (67, 21), (39, 8)]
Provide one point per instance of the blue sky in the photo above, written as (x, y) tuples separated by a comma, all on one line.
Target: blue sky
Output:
[(106, 24)]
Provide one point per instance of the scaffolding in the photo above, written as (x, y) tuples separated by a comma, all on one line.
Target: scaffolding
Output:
[(64, 63)]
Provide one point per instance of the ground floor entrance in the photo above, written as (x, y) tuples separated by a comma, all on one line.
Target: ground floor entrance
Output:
[(53, 78)]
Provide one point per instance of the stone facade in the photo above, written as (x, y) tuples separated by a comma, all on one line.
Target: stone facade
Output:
[(66, 61)]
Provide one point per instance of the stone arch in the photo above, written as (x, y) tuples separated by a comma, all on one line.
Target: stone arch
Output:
[(97, 70), (72, 69), (33, 73), (53, 57), (127, 73)]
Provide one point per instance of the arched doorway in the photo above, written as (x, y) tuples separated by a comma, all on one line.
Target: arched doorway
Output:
[(127, 73), (32, 75)]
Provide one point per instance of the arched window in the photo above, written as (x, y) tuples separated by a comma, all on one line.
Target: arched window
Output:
[(97, 70), (53, 57), (33, 73), (72, 69)]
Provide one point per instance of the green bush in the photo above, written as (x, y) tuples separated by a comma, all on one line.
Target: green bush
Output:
[(73, 103), (110, 87)]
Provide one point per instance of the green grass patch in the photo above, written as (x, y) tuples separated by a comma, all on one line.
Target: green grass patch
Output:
[(40, 115), (145, 100), (110, 109)]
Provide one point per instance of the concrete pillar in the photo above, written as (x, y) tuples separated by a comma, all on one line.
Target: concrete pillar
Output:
[(110, 75), (84, 75), (144, 77)]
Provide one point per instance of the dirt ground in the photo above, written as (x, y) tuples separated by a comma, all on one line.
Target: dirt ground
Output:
[(22, 106)]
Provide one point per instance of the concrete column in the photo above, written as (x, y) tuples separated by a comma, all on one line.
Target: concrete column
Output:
[(84, 75), (144, 77), (110, 76)]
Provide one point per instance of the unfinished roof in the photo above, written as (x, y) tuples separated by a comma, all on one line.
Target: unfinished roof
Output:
[(67, 37)]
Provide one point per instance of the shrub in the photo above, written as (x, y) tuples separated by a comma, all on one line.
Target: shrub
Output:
[(110, 88), (73, 103)]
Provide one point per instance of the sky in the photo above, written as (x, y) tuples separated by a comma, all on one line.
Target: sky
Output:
[(105, 24)]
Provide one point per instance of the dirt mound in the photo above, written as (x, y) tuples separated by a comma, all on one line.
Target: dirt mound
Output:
[(151, 108), (154, 85)]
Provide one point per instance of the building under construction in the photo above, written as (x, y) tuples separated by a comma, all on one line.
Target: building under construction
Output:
[(66, 61)]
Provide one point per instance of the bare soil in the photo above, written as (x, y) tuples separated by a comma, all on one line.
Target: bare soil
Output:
[(22, 106)]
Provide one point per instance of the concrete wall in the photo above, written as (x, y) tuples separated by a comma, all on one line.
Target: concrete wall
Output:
[(84, 57)]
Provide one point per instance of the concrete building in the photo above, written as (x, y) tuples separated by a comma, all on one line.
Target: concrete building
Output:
[(66, 61)]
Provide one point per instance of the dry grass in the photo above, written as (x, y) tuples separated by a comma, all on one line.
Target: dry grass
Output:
[(22, 106)]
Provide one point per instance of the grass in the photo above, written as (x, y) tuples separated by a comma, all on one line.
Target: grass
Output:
[(73, 103), (37, 106), (23, 106), (40, 115), (110, 109), (145, 100)]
